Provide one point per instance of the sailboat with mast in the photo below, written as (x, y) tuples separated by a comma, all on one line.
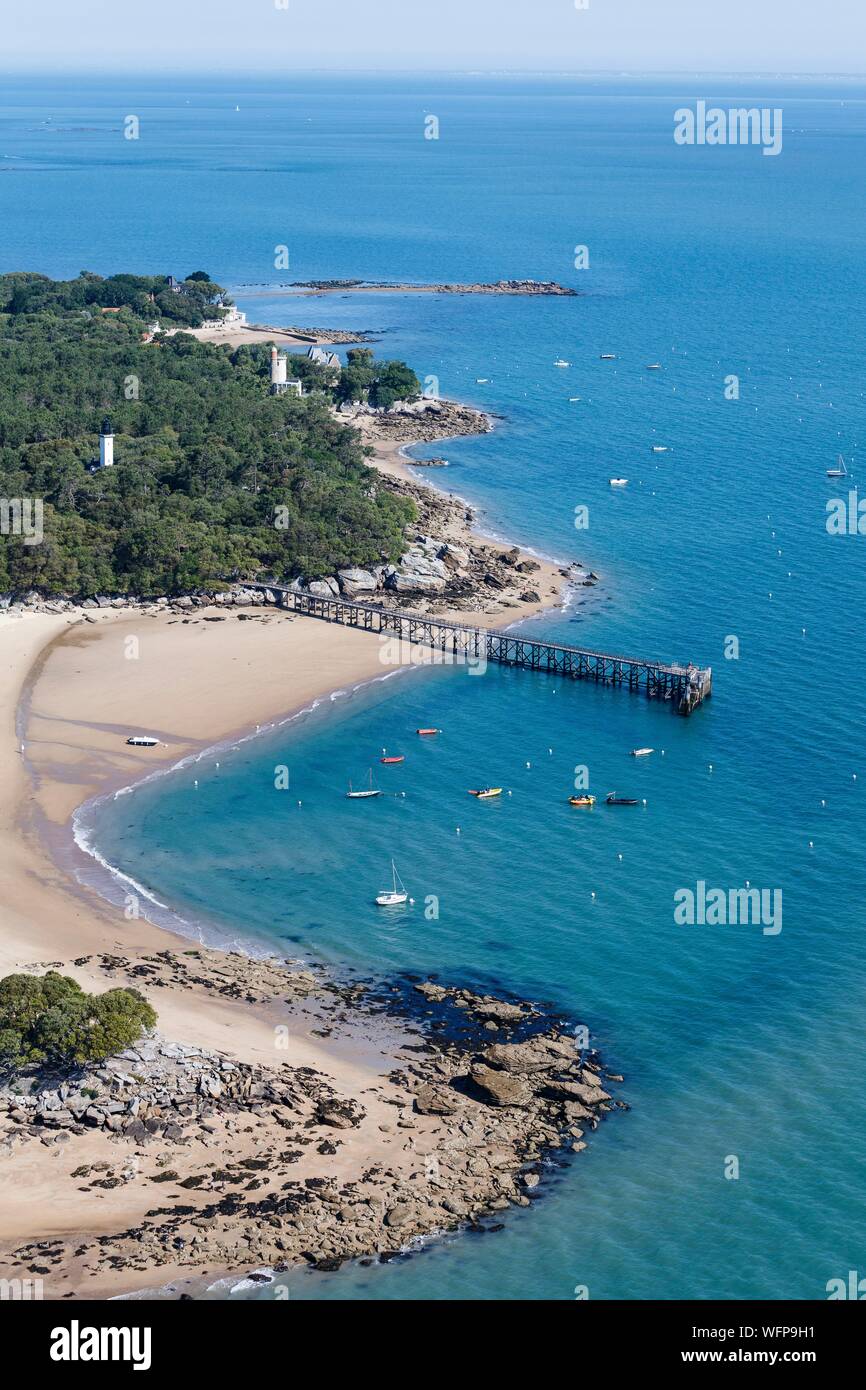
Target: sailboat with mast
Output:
[(394, 896), (365, 792), (840, 471)]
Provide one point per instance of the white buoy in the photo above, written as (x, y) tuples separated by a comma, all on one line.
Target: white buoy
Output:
[(592, 895), (550, 750), (619, 856), (529, 764), (300, 803), (811, 846), (823, 803), (710, 766), (458, 830), (411, 902), (195, 784)]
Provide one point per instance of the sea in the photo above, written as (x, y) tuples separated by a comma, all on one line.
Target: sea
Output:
[(737, 1171)]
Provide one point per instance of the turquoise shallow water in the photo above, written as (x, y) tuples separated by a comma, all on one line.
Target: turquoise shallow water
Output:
[(712, 262)]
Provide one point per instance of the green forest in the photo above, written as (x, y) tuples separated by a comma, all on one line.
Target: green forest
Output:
[(215, 480)]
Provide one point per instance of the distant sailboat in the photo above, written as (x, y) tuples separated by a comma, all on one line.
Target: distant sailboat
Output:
[(394, 896), (367, 791), (840, 471)]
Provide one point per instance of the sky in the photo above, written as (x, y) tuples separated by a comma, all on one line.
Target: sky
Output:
[(767, 36)]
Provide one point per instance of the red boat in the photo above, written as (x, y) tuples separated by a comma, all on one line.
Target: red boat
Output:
[(428, 731), (392, 760)]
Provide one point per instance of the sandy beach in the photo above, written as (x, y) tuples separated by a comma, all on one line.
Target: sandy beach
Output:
[(73, 687), (375, 1123)]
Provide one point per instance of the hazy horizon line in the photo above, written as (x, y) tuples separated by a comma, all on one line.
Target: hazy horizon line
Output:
[(277, 73)]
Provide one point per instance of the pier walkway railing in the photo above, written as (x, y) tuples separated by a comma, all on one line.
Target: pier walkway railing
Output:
[(686, 686)]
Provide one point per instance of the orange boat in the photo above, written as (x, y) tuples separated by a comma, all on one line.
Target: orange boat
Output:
[(392, 760), (428, 731)]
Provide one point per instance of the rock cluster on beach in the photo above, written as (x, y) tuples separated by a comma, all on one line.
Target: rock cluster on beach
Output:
[(476, 1106), (416, 422)]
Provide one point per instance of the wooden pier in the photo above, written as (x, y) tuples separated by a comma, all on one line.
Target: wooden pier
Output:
[(685, 687)]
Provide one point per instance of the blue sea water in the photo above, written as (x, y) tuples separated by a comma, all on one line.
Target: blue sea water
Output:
[(713, 262)]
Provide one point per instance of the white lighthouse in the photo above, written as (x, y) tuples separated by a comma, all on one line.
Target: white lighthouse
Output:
[(278, 372), (106, 445)]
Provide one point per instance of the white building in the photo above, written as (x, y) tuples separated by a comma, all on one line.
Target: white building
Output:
[(106, 445)]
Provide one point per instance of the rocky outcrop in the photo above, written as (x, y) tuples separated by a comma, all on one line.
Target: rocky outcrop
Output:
[(476, 1116)]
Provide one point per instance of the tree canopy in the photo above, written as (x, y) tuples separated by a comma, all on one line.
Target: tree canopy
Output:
[(50, 1019), (206, 459)]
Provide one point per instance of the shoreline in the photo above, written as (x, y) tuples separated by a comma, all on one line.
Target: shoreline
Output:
[(66, 684)]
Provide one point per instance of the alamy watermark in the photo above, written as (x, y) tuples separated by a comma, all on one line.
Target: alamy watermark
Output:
[(846, 516), (399, 651), (739, 125), (22, 516), (729, 907)]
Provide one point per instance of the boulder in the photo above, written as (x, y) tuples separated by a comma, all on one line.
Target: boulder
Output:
[(403, 1214), (500, 1087), (497, 1011), (437, 1100), (356, 581), (323, 588), (538, 1054), (453, 557)]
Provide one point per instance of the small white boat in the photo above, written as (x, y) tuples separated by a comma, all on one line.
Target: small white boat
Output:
[(653, 366), (143, 741), (561, 362), (394, 896), (618, 482), (641, 752), (481, 380), (574, 398), (660, 448), (840, 471), (366, 792), (608, 357)]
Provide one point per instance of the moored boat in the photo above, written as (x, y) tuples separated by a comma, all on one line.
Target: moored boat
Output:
[(613, 800), (641, 752), (581, 801), (399, 759), (365, 792), (428, 731), (618, 482), (484, 793), (143, 741), (840, 471), (394, 896)]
